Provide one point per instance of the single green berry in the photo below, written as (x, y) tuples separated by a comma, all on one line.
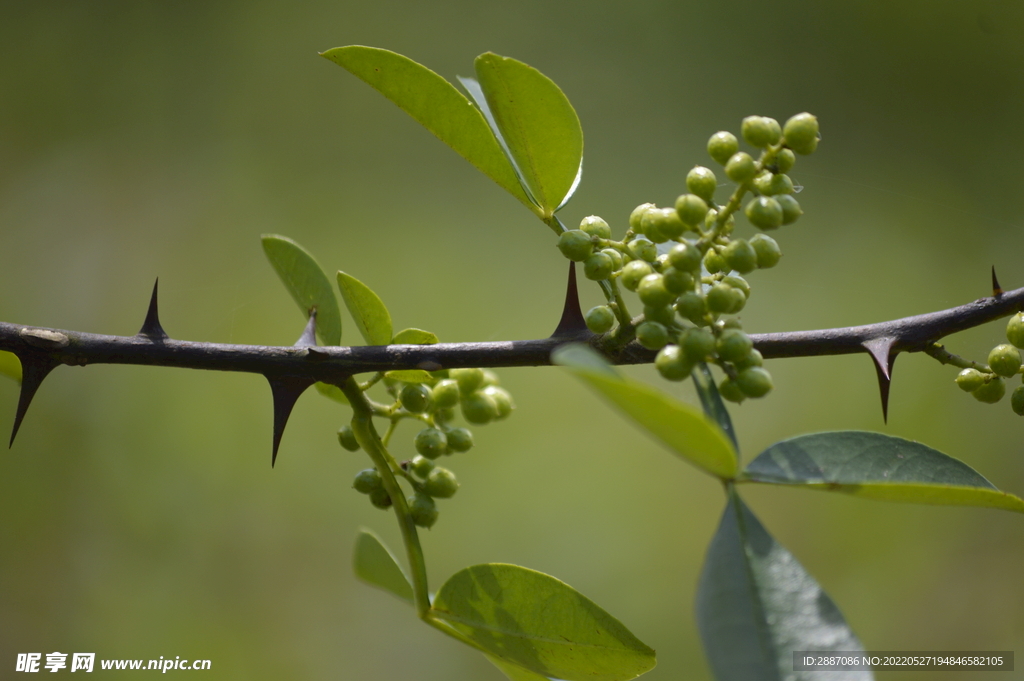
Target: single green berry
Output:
[(661, 263), (754, 382), (720, 298), (367, 480), (600, 319), (741, 167), (734, 345), (652, 291), (723, 324), (502, 400), (445, 394), (479, 408), (697, 344), (801, 133), (459, 440), (664, 315), (740, 256), (1017, 400), (691, 210), (714, 262), (441, 483), (576, 245), (702, 182), (421, 466), (598, 266), (469, 380), (791, 210), (693, 307), (991, 391), (685, 256), (490, 378), (431, 442), (722, 146), (379, 498), (347, 438), (1004, 360), (662, 224), (1015, 330), (764, 212), (754, 359), (785, 160), (652, 335), (643, 249), (767, 250), (729, 390), (672, 363), (444, 415), (415, 397), (637, 215), (677, 281), (770, 184), (615, 256), (423, 510), (757, 131), (633, 272), (775, 130), (970, 380), (738, 283), (595, 226)]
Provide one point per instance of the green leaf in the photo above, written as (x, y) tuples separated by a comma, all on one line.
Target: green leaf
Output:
[(307, 283), (682, 428), (877, 466), (436, 105), (10, 365), (530, 619), (331, 392), (514, 672), (537, 124), (410, 375), (711, 401), (414, 337), (374, 564), (367, 310), (756, 605)]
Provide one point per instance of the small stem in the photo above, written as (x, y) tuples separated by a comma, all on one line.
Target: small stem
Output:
[(944, 356)]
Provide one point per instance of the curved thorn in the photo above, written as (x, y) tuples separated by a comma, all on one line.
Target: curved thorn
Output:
[(997, 290), (32, 374), (308, 337), (286, 391), (883, 357), (151, 328), (572, 321)]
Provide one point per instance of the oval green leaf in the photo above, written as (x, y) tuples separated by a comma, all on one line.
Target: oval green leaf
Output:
[(533, 620), (682, 428), (307, 283), (10, 365), (414, 337), (756, 605), (436, 105), (877, 466), (538, 125), (367, 310), (514, 672), (332, 392), (376, 565)]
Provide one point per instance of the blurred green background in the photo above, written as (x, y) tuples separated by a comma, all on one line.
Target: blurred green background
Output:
[(139, 515)]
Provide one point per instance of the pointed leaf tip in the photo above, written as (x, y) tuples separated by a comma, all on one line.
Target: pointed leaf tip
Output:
[(286, 391), (151, 327), (33, 371), (572, 322)]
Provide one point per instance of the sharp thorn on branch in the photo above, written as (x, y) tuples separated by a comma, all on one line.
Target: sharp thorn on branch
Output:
[(997, 290), (572, 322), (308, 337), (33, 371), (883, 357), (286, 391), (151, 328)]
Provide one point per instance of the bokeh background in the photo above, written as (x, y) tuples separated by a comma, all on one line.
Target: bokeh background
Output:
[(139, 514)]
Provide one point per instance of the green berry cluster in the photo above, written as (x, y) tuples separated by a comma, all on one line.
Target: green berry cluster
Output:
[(987, 384), (685, 264)]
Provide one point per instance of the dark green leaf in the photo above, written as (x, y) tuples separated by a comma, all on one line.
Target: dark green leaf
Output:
[(374, 564), (756, 605), (877, 466), (367, 310), (532, 620), (684, 429), (10, 365), (436, 105), (307, 283), (414, 337), (331, 391), (714, 406)]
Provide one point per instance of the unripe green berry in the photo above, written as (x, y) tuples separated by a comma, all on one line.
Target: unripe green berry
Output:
[(691, 210), (770, 184), (665, 315), (445, 394), (421, 466), (754, 382), (502, 400), (662, 224), (757, 131), (595, 226), (642, 249), (490, 378), (702, 182), (697, 344), (367, 481), (714, 262), (734, 345), (775, 130), (672, 363), (637, 215), (741, 167), (651, 291), (441, 483), (431, 443), (422, 510), (720, 298), (685, 256), (459, 440), (991, 391), (801, 133), (767, 250), (469, 380), (615, 256), (764, 212), (1017, 400), (479, 408), (347, 438), (633, 272), (379, 498), (1015, 330), (575, 245), (970, 380), (598, 266), (415, 397), (652, 335), (785, 160), (740, 256), (729, 390), (722, 146), (791, 210), (737, 283), (693, 307), (600, 319), (444, 415), (1004, 360), (677, 281), (754, 359)]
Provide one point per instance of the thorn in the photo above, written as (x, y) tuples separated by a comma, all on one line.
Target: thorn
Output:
[(286, 391), (151, 328), (997, 290), (880, 350), (308, 337), (572, 321), (32, 374)]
